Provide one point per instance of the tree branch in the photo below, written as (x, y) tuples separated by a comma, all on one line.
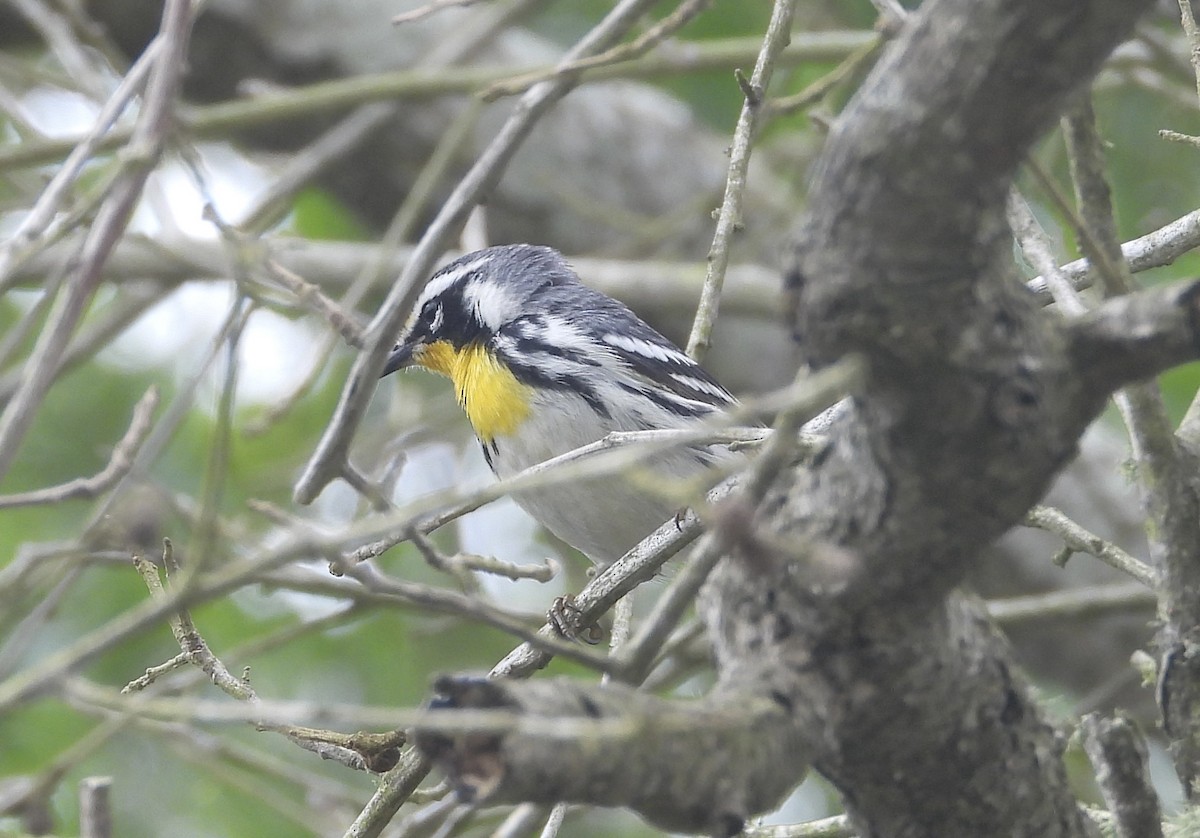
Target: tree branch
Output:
[(762, 756)]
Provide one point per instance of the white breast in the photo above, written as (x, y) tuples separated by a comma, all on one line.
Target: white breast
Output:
[(602, 517)]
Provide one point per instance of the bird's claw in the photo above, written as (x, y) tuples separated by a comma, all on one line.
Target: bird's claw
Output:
[(568, 620)]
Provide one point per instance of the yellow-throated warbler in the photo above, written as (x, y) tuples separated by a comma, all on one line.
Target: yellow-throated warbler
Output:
[(542, 365)]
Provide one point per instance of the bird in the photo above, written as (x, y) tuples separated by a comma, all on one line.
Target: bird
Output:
[(543, 364)]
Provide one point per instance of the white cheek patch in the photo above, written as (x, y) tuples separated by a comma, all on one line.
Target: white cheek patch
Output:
[(491, 303)]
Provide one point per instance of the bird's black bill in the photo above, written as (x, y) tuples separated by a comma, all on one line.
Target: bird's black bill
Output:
[(400, 358)]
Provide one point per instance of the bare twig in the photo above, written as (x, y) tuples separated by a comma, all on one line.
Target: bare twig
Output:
[(1176, 137), (729, 216), (837, 826), (358, 751), (431, 8), (40, 216), (460, 564), (219, 119), (1080, 540), (55, 29), (306, 164), (554, 823), (615, 452), (543, 572), (1192, 31), (345, 324), (1153, 250), (131, 302), (147, 142), (119, 463), (521, 821), (1035, 244), (184, 630), (452, 602), (822, 87), (153, 673), (176, 412), (95, 807), (1074, 602), (280, 713), (645, 42)]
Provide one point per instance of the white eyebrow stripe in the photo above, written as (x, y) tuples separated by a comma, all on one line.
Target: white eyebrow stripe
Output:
[(647, 349), (449, 275)]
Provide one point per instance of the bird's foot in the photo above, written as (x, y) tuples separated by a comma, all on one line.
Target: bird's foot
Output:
[(568, 620)]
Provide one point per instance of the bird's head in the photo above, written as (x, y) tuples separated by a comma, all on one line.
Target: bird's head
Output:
[(470, 300)]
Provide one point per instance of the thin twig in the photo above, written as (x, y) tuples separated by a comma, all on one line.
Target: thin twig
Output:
[(849, 66), (345, 324), (729, 216), (1072, 603), (1176, 137), (24, 240), (306, 164), (837, 826), (652, 37), (95, 807), (174, 415), (463, 605), (521, 821), (431, 8), (118, 466), (273, 714), (98, 333), (55, 30), (1192, 31), (184, 630), (287, 104), (147, 142), (554, 823), (617, 451), (1035, 244), (1080, 540), (153, 673), (1153, 250), (461, 564), (353, 750)]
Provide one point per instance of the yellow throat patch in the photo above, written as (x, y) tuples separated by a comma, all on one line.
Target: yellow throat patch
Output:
[(494, 401)]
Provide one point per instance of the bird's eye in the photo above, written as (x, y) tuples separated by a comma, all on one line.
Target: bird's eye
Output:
[(432, 314)]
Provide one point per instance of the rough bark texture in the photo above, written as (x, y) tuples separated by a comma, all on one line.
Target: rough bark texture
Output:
[(976, 399), (648, 763), (896, 685)]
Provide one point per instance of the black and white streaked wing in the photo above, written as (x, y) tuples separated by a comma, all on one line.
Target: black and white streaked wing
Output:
[(654, 366), (667, 370)]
